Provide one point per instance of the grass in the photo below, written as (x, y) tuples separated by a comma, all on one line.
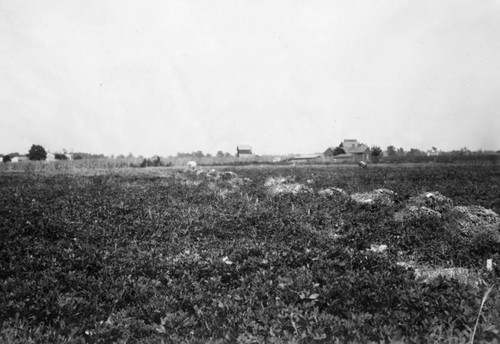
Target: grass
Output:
[(158, 254)]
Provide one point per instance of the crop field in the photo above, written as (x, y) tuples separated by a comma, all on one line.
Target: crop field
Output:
[(303, 254)]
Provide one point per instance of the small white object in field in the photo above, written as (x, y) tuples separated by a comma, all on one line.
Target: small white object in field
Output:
[(191, 165), (378, 248), (489, 264), (363, 164)]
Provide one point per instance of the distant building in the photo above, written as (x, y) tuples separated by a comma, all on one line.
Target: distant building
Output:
[(50, 157), (346, 144), (305, 158), (20, 158), (432, 153), (354, 151), (360, 153), (243, 151), (329, 153)]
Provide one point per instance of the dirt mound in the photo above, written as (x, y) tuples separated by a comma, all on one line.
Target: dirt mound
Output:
[(223, 183), (334, 192), (281, 185), (432, 200), (416, 213), (375, 197), (474, 219)]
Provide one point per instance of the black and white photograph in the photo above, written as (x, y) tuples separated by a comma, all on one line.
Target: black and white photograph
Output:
[(249, 171)]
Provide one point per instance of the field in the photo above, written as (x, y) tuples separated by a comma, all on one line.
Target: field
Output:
[(275, 254)]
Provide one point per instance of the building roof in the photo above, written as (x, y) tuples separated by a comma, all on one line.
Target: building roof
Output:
[(244, 147), (350, 143), (306, 157), (356, 150)]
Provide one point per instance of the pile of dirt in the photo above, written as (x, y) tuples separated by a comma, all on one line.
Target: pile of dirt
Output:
[(432, 200), (282, 185), (223, 183), (334, 193), (412, 212), (375, 197), (474, 219), (424, 206), (469, 220)]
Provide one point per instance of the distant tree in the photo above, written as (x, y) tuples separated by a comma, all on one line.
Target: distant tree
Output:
[(154, 162), (376, 153), (227, 155), (198, 154), (208, 155), (401, 151), (60, 156), (6, 158), (130, 155), (338, 151), (416, 152), (37, 152), (391, 151), (219, 154)]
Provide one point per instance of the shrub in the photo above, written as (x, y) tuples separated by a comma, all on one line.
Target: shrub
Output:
[(37, 152)]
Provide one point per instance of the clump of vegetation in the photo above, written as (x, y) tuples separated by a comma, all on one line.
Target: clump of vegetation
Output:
[(155, 162), (37, 152)]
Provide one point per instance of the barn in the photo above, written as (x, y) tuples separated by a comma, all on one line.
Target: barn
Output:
[(243, 151), (360, 153), (354, 151)]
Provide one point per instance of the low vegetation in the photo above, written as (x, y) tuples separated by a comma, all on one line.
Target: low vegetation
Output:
[(220, 256)]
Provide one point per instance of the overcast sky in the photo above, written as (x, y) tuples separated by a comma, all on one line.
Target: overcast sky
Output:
[(161, 77)]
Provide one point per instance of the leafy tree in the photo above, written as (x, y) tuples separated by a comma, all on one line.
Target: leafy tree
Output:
[(338, 151), (401, 151), (391, 151), (416, 152), (37, 152), (376, 153), (227, 155), (6, 158), (219, 154), (60, 156)]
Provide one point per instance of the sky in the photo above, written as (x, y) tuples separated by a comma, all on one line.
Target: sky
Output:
[(158, 77)]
